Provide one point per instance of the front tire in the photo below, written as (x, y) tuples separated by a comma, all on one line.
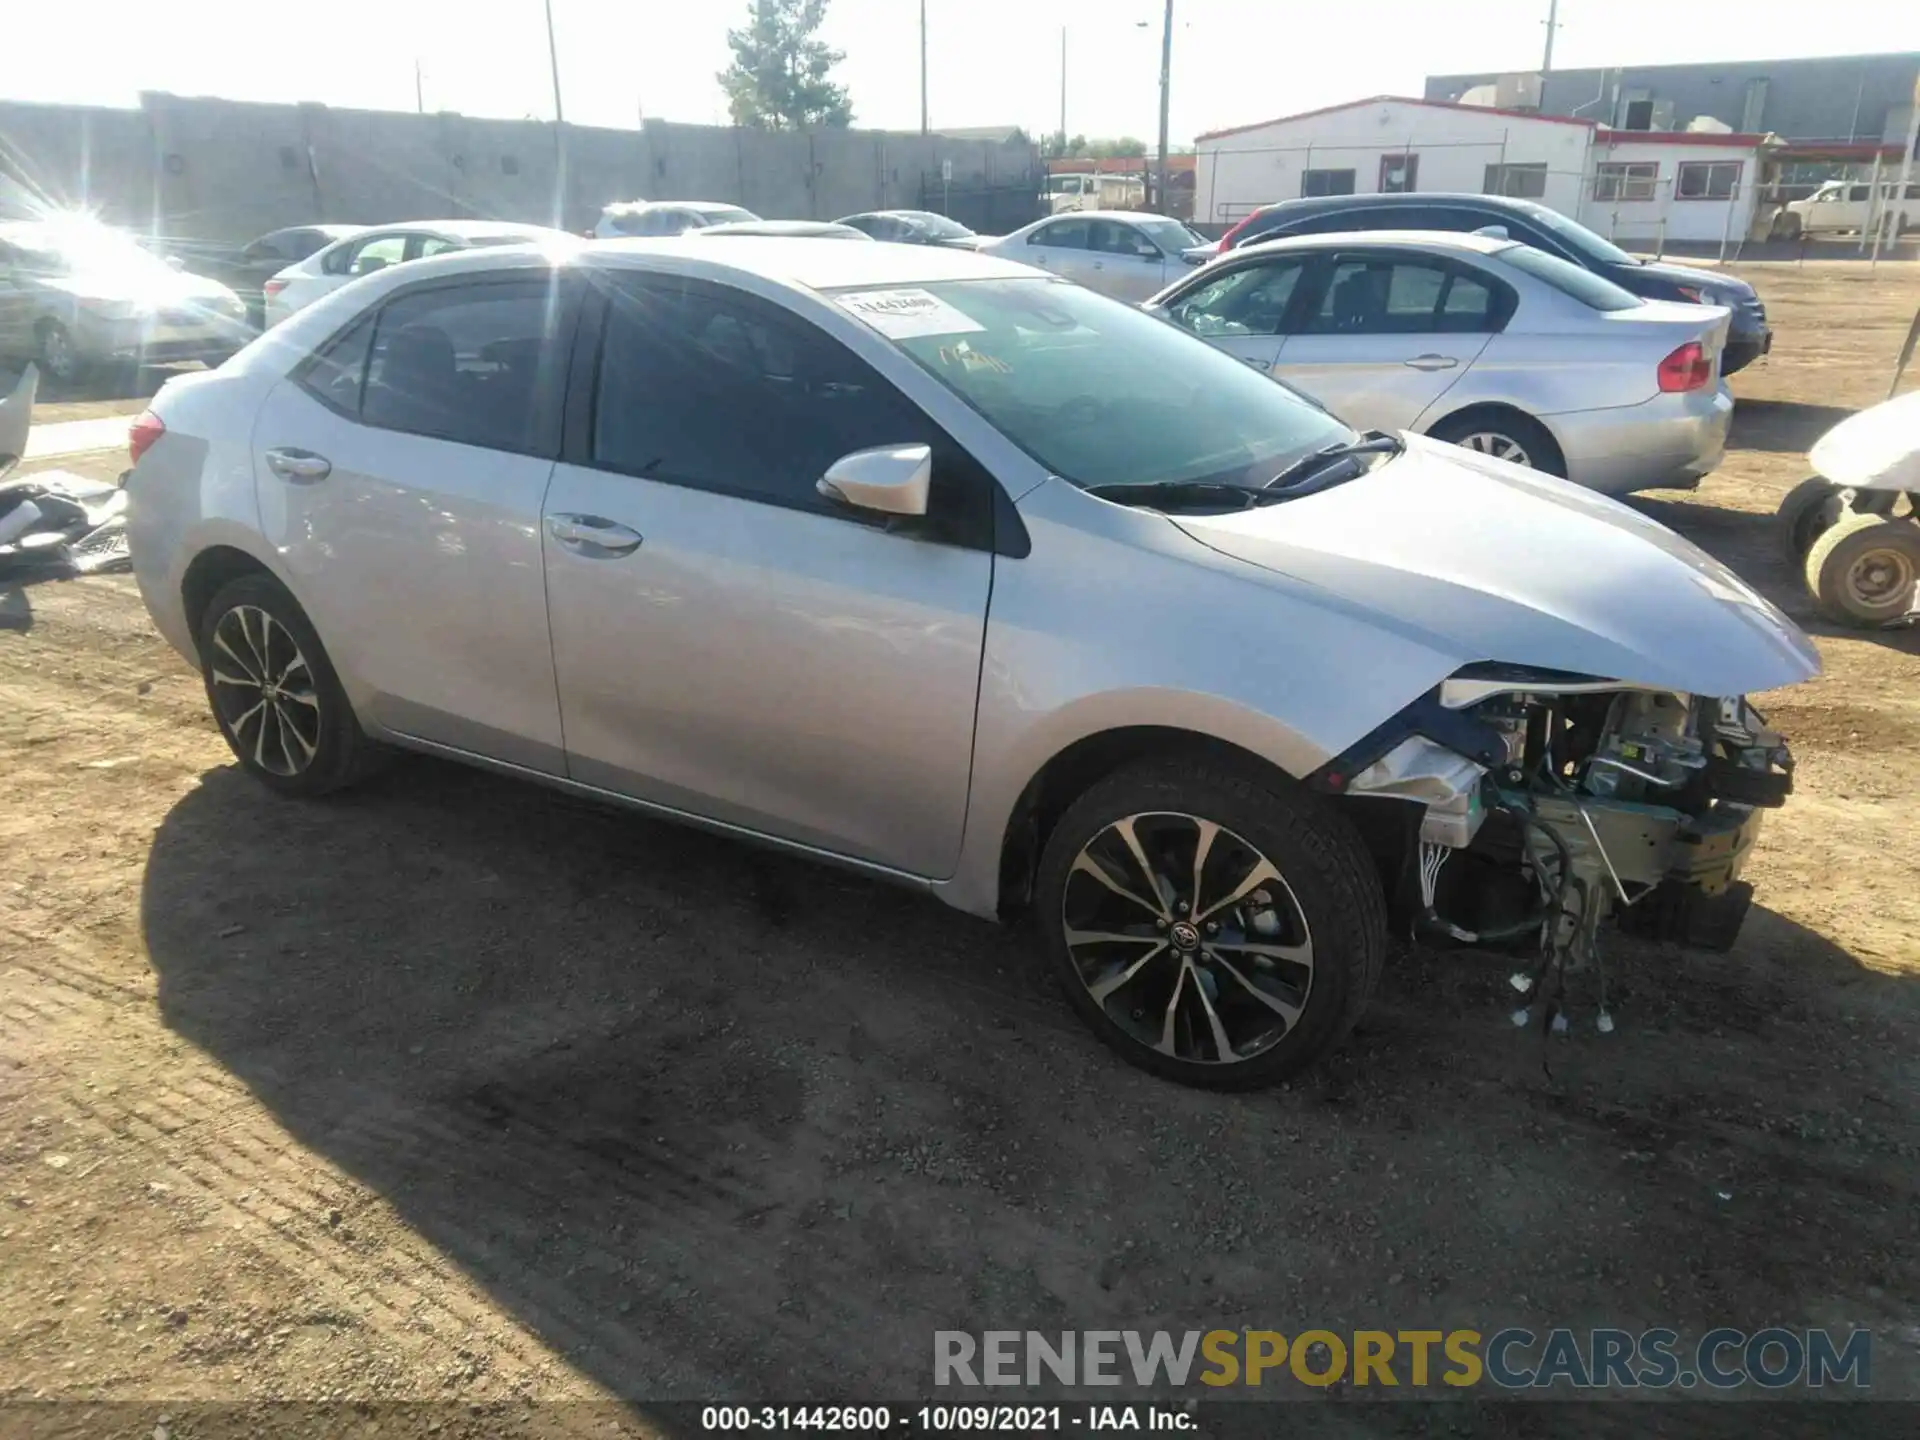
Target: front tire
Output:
[(1215, 927), (274, 692), (1864, 569), (59, 356)]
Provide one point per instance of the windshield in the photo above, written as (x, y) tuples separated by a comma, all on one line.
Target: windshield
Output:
[(1098, 392), (1596, 292), (728, 215), (937, 226), (1169, 235), (1577, 238)]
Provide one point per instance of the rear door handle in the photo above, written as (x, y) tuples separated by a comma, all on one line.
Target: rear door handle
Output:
[(302, 467), (1432, 362), (593, 536)]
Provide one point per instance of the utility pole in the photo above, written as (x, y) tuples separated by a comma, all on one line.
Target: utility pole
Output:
[(925, 127), (1166, 75), (559, 129), (1553, 24), (1061, 148)]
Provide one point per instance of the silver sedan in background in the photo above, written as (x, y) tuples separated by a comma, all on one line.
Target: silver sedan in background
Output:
[(1484, 342)]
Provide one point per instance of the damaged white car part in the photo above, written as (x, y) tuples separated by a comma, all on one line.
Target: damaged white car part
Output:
[(1547, 805), (1854, 525)]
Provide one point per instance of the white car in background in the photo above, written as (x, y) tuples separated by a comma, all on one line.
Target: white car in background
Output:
[(366, 252), (1477, 340), (629, 220), (1122, 253)]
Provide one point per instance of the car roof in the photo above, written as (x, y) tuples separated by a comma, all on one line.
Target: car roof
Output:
[(1321, 204), (1404, 239), (798, 262), (1127, 215), (460, 229), (640, 207)]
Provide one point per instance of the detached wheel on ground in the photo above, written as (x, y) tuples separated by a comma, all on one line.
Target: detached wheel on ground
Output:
[(1215, 927), (274, 693), (1505, 435), (59, 357), (1862, 570)]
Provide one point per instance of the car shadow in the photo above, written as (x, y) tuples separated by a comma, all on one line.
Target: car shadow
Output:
[(717, 1124), (1782, 427), (16, 610), (1749, 544)]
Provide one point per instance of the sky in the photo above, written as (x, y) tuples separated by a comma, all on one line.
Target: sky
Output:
[(990, 62)]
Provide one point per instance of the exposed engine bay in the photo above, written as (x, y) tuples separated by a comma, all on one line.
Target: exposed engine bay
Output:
[(1543, 813)]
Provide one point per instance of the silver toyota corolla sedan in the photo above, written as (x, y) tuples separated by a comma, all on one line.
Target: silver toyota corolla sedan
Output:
[(927, 564), (1484, 342)]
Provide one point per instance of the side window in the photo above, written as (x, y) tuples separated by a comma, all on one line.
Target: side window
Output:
[(435, 245), (1857, 195), (682, 362), (1401, 297), (1110, 237), (1063, 235), (263, 252), (466, 363), (373, 254), (333, 374), (1249, 301)]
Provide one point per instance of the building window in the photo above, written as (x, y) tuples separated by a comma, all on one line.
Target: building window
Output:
[(1522, 182), (1708, 179), (1399, 174), (1326, 182), (1639, 115), (1621, 180)]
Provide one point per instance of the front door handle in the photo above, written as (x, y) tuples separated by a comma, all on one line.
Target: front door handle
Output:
[(594, 536), (301, 467), (1432, 362), (1257, 363)]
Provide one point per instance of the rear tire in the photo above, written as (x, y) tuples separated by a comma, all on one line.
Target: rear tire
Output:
[(1504, 435), (1808, 511), (59, 357), (1863, 570), (1239, 975), (274, 693)]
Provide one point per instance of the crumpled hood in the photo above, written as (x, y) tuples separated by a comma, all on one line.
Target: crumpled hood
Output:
[(1877, 449), (1493, 562)]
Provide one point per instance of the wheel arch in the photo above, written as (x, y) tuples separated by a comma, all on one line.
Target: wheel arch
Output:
[(1493, 411), (216, 566), (1070, 772)]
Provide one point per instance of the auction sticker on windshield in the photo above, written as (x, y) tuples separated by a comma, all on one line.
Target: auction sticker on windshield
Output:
[(908, 314)]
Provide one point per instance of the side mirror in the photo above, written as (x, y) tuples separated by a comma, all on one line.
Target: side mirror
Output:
[(1494, 232), (176, 263), (889, 480)]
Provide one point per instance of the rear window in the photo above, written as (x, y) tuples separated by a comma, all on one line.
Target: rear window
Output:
[(1591, 290)]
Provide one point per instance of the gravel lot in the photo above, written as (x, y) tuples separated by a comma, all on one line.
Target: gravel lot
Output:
[(455, 1089)]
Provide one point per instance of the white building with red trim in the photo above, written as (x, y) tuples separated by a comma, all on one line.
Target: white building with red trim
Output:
[(1640, 187)]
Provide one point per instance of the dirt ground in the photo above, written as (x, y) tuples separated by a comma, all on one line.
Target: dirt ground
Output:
[(455, 1089)]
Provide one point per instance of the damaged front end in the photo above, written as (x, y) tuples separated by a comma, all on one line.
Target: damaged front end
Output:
[(1524, 809)]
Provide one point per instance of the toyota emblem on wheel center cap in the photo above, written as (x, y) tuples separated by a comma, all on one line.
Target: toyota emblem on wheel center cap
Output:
[(1185, 936)]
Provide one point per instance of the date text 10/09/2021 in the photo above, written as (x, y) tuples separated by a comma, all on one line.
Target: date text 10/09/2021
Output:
[(947, 1419)]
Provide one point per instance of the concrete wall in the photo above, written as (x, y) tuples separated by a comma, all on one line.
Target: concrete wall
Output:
[(1642, 223), (1237, 171), (226, 171)]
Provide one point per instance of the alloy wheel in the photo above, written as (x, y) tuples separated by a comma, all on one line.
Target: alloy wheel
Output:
[(1187, 937), (56, 350), (264, 692), (1501, 447)]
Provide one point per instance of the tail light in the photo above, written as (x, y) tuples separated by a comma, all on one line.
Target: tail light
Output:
[(273, 288), (144, 431), (1688, 368), (1227, 240)]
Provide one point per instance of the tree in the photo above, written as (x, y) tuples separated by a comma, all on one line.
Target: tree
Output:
[(1125, 148), (779, 78)]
